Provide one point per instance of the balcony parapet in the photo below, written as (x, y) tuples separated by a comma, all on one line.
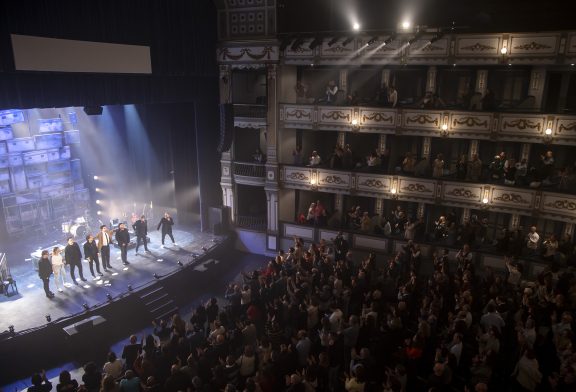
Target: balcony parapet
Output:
[(249, 173), (504, 126), (523, 201), (250, 116)]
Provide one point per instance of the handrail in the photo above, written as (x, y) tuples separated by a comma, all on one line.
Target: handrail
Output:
[(249, 169), (250, 110), (257, 223)]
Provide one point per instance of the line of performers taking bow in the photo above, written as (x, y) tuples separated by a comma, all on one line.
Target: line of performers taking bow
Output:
[(94, 248)]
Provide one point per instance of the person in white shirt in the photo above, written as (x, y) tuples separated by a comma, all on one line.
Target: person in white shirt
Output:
[(456, 347), (113, 367), (315, 159), (59, 269), (331, 91), (533, 240)]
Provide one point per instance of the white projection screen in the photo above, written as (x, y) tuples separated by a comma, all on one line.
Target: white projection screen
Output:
[(63, 55)]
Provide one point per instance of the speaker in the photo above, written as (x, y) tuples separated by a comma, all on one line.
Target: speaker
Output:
[(219, 219), (226, 127), (93, 110)]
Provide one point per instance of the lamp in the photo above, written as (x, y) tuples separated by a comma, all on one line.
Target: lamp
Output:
[(85, 306), (394, 193), (355, 124), (11, 329), (548, 136), (445, 130), (109, 296), (180, 263), (48, 318), (156, 276), (130, 287)]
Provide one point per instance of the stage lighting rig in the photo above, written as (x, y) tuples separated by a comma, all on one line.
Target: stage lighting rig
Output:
[(11, 329), (371, 41), (109, 296), (130, 287), (180, 263), (315, 42), (85, 306), (347, 41), (156, 276), (389, 40), (296, 44), (48, 318), (333, 41)]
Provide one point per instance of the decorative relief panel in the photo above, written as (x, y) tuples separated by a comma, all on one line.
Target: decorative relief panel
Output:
[(333, 179), (301, 51), (513, 198), (571, 44), (377, 117), (462, 192), (248, 54), (373, 183), (566, 127), (423, 48), (468, 46), (533, 45), (296, 114), (306, 233), (422, 119), (562, 205), (472, 121), (337, 49), (298, 175), (416, 187), (524, 125), (335, 115)]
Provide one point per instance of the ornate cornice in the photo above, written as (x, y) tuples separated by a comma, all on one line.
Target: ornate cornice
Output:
[(532, 46), (299, 176), (265, 54), (337, 180), (512, 198), (462, 192), (563, 204), (298, 114), (417, 188), (422, 119), (478, 47), (335, 115), (377, 117), (469, 122), (522, 124), (372, 183)]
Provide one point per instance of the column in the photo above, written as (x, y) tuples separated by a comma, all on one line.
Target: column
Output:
[(465, 215), (339, 205), (341, 141), (421, 210), (272, 171), (343, 82), (382, 140), (514, 222), (525, 151), (227, 178), (228, 199), (426, 143), (568, 229), (536, 89), (385, 79), (473, 149), (431, 80), (225, 84), (481, 80), (565, 83)]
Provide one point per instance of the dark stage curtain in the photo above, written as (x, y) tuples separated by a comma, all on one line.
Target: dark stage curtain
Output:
[(181, 35)]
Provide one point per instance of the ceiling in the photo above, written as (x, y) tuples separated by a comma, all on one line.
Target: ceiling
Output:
[(298, 16)]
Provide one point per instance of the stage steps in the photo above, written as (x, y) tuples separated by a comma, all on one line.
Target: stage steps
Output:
[(158, 302)]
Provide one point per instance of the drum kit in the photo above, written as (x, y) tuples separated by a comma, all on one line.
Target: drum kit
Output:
[(78, 228)]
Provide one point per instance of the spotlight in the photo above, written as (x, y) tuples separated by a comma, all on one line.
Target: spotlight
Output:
[(390, 39), (85, 306), (48, 318), (371, 41), (156, 276), (406, 24), (347, 41), (410, 42), (130, 287), (99, 212), (285, 43), (356, 26), (11, 329), (355, 122), (97, 190), (333, 41), (180, 263), (96, 178), (98, 201), (504, 50), (109, 296), (315, 42)]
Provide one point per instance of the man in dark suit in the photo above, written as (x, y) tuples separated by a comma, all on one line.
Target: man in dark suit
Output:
[(166, 224), (73, 257), (123, 239), (141, 230), (44, 272), (91, 253)]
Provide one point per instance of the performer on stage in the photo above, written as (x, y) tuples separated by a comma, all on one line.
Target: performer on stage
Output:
[(166, 223), (123, 239), (91, 253), (44, 272), (141, 230), (104, 238), (59, 269), (73, 257)]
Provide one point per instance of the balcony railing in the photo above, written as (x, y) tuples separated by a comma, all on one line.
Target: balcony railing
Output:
[(519, 200), (249, 169), (250, 111), (257, 223), (503, 126)]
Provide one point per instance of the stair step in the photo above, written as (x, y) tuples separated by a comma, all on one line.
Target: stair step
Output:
[(150, 293), (167, 314), (163, 296), (158, 308)]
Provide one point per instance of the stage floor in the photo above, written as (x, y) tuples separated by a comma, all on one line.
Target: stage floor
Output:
[(28, 308)]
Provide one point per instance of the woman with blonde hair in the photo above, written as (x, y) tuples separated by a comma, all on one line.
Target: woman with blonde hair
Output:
[(58, 268)]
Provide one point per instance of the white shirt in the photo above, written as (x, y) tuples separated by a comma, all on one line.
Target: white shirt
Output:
[(533, 239), (57, 260), (315, 160), (105, 239)]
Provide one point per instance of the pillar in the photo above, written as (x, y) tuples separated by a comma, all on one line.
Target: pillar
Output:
[(514, 222), (481, 81), (536, 88), (385, 79), (426, 143), (272, 171), (421, 210), (473, 149), (431, 79), (525, 152), (382, 140), (343, 82), (465, 215), (568, 229), (341, 141)]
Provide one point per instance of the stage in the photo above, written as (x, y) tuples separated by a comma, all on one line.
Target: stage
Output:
[(28, 309)]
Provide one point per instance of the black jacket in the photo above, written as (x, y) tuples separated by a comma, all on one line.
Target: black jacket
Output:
[(122, 237), (140, 228), (166, 225), (90, 250), (72, 254), (44, 268)]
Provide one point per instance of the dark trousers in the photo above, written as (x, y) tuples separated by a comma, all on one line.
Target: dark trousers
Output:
[(167, 233), (72, 267), (92, 262), (46, 282), (105, 252), (143, 239), (124, 252)]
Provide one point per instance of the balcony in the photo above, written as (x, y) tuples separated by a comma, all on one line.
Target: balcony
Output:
[(256, 223), (250, 116), (250, 173), (515, 127), (516, 200)]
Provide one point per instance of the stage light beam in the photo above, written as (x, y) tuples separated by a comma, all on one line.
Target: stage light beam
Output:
[(96, 178)]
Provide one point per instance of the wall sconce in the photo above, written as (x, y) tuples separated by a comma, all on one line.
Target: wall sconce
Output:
[(445, 130), (394, 193), (355, 124), (313, 181), (504, 50), (548, 136)]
